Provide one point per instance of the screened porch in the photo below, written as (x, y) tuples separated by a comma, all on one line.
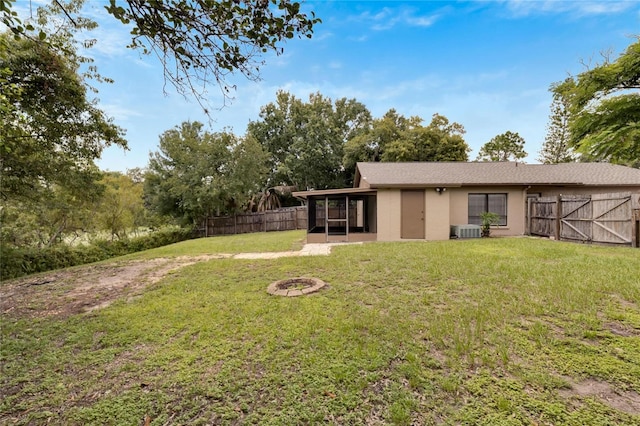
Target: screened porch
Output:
[(337, 216)]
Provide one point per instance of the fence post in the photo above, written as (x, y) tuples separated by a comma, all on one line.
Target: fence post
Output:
[(635, 228), (558, 217), (527, 231)]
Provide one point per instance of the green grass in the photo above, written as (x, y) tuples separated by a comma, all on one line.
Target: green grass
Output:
[(489, 331), (230, 244)]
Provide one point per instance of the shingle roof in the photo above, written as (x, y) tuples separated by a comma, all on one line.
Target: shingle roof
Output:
[(381, 175)]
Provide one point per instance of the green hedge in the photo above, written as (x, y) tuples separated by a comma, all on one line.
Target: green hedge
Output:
[(16, 262)]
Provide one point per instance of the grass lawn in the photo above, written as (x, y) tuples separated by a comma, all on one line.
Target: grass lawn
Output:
[(229, 244), (493, 331)]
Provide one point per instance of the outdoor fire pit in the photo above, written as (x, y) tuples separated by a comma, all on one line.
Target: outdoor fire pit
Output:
[(295, 286)]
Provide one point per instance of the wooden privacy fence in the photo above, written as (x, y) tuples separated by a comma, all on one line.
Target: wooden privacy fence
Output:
[(284, 219), (597, 218)]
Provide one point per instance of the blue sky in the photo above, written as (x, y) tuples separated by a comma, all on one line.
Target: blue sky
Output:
[(487, 65)]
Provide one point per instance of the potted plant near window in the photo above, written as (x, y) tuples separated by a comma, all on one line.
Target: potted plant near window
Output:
[(488, 219)]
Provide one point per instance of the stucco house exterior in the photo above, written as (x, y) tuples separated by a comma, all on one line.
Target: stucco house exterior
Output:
[(421, 200)]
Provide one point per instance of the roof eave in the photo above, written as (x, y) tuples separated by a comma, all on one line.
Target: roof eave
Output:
[(460, 185), (325, 192)]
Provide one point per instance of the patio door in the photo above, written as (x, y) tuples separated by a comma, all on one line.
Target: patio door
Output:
[(337, 217), (412, 214)]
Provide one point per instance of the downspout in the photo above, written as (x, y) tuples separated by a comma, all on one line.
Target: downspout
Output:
[(527, 224)]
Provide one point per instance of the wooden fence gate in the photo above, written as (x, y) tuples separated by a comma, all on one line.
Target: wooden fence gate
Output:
[(597, 218)]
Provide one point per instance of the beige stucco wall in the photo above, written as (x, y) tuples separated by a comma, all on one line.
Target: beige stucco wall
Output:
[(389, 217), (516, 205), (451, 208)]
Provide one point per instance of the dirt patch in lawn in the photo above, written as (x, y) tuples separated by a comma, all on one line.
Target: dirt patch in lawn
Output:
[(72, 291), (627, 401)]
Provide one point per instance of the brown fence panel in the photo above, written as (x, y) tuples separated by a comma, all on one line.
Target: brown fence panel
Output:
[(542, 219), (272, 220), (220, 226), (612, 218), (301, 218), (279, 220), (575, 218)]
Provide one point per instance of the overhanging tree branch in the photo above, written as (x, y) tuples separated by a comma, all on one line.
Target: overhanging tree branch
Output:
[(198, 42), (604, 108), (201, 42)]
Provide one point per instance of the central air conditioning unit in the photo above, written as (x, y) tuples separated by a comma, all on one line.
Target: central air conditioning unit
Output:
[(465, 231)]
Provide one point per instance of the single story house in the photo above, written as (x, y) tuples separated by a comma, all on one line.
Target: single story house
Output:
[(421, 200)]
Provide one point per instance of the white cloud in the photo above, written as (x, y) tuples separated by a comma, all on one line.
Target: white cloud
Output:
[(110, 43), (423, 21), (388, 18), (521, 8), (322, 36), (119, 112)]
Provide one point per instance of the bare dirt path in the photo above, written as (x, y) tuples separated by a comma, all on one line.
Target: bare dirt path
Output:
[(63, 293), (71, 291)]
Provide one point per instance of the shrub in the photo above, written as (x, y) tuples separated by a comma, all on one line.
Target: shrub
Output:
[(16, 262), (488, 219)]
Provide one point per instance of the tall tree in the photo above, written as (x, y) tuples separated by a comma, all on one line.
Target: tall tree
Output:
[(555, 148), (196, 174), (44, 221), (371, 143), (306, 140), (439, 141), (247, 172), (51, 131), (508, 146), (605, 108), (397, 138), (121, 208)]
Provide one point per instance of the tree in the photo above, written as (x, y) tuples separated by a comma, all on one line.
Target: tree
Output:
[(508, 146), (305, 140), (247, 172), (439, 141), (51, 132), (196, 174), (120, 209), (370, 144), (555, 148), (397, 138), (604, 111), (45, 220)]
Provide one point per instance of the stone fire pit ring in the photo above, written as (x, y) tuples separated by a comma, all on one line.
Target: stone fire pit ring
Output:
[(298, 286)]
